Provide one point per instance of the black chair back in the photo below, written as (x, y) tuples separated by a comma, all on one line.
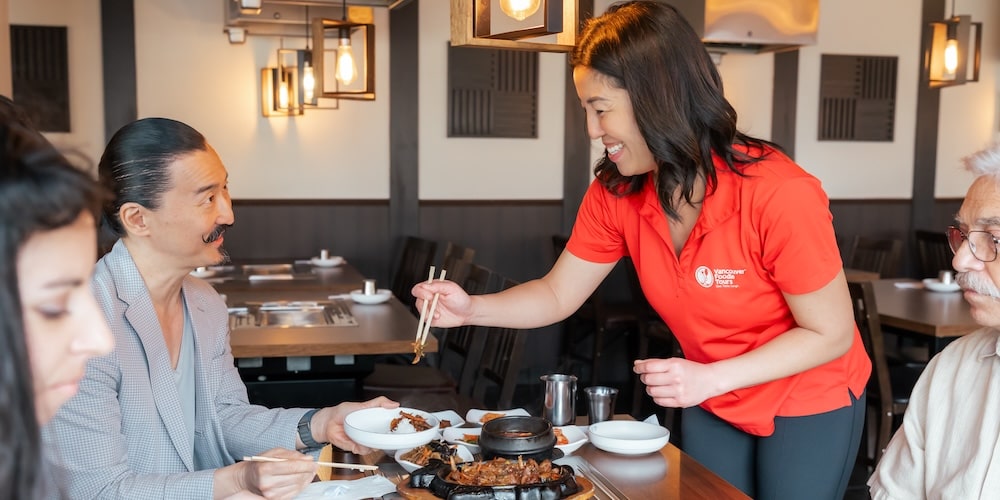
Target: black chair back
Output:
[(414, 262), (877, 255), (933, 253)]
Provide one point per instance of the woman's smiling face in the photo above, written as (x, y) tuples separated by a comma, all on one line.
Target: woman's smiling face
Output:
[(611, 120)]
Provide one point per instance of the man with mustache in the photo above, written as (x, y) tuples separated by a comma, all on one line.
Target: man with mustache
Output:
[(165, 415), (947, 445)]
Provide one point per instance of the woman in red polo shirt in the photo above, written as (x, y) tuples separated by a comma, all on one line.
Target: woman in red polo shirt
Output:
[(735, 249)]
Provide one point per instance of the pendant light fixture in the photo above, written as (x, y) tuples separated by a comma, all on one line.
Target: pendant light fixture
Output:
[(947, 59), (353, 60), (308, 77)]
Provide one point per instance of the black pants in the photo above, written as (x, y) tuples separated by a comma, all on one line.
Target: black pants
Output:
[(806, 457)]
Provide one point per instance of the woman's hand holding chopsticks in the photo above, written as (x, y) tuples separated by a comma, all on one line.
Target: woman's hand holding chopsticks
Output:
[(454, 307)]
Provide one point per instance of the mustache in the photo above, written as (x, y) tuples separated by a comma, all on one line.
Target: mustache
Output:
[(977, 283), (216, 233)]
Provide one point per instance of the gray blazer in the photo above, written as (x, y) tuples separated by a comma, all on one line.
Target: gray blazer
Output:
[(123, 434)]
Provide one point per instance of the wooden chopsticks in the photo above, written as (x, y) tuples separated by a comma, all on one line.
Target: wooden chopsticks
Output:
[(424, 323), (335, 465)]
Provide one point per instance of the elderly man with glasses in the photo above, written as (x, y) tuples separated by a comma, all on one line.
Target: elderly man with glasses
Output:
[(948, 444)]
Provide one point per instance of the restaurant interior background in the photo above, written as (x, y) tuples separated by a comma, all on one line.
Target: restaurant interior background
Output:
[(355, 180)]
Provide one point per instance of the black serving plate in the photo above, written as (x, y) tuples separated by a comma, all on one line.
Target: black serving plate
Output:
[(433, 477)]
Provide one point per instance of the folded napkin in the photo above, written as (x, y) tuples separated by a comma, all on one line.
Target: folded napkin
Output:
[(368, 487), (909, 284), (270, 277)]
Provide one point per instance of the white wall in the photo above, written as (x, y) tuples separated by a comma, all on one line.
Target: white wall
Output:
[(82, 19), (485, 168), (188, 70)]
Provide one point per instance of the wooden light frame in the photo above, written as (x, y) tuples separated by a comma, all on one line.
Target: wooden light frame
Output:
[(961, 28), (463, 29)]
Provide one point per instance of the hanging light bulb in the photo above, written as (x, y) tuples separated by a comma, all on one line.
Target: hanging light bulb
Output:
[(951, 57), (519, 9), (347, 70), (308, 81), (283, 95)]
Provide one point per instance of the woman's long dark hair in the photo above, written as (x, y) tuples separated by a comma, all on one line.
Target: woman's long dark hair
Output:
[(649, 50), (40, 190), (135, 166)]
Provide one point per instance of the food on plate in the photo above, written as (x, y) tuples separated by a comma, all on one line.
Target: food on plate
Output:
[(560, 437), (418, 422), (422, 455), (471, 438), (490, 416), (504, 472), (444, 424)]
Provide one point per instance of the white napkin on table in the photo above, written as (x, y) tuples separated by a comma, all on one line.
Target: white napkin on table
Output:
[(909, 284), (268, 277), (368, 487)]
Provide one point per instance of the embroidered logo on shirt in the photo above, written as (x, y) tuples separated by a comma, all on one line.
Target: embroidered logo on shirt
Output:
[(719, 278)]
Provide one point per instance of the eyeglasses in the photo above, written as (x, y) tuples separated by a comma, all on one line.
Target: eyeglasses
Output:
[(982, 243)]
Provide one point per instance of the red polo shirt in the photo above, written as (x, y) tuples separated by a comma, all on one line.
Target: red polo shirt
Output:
[(756, 237)]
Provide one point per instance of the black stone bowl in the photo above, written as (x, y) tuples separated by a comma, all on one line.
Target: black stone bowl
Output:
[(518, 436), (434, 477)]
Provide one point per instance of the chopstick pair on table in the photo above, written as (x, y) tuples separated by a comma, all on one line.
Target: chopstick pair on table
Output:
[(426, 317), (335, 465)]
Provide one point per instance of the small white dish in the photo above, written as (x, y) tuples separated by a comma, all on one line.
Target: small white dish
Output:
[(462, 454), (475, 417), (574, 435), (202, 273), (370, 427), (379, 297), (332, 261), (935, 285), (458, 435), (449, 418), (628, 437)]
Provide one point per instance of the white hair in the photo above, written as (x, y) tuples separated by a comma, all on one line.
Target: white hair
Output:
[(984, 162)]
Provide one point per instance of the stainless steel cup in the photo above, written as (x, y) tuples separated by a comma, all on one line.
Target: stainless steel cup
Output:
[(946, 277), (370, 287), (560, 398), (600, 403)]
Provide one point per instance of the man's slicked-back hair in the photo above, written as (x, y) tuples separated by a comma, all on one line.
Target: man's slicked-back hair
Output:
[(135, 164)]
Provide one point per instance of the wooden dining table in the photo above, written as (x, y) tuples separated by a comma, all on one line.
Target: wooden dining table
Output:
[(664, 475), (937, 318)]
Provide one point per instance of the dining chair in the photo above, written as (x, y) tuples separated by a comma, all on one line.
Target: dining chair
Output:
[(877, 255), (456, 260), (502, 360), (460, 350), (933, 252), (889, 386), (414, 262), (598, 317)]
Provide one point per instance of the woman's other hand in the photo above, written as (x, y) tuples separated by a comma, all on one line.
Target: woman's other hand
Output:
[(677, 382)]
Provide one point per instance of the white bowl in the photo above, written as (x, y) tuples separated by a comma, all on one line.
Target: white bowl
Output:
[(475, 417), (378, 297), (574, 435), (453, 418), (331, 261), (370, 427), (935, 285), (456, 435), (202, 273), (627, 437), (463, 455)]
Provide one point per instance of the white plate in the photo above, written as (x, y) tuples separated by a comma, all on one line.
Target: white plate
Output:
[(475, 416), (332, 261), (370, 427), (453, 418), (379, 297), (456, 435), (464, 455), (202, 273), (935, 285), (628, 437), (574, 435)]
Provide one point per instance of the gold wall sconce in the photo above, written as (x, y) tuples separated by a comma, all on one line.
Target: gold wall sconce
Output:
[(535, 25), (346, 71), (953, 42)]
